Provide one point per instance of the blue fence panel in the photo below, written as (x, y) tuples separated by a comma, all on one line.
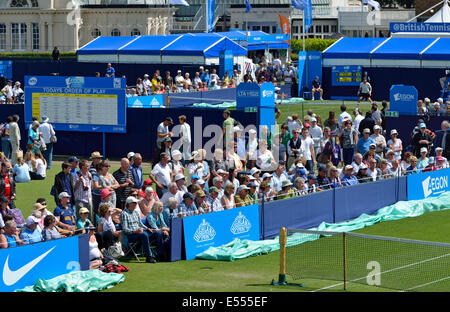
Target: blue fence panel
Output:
[(428, 184), (176, 240), (352, 201), (300, 213)]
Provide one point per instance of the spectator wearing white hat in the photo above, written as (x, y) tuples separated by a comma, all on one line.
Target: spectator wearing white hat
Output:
[(31, 234), (373, 171), (423, 160), (395, 144), (265, 160), (64, 213), (179, 80), (439, 152), (421, 139), (147, 84), (316, 134), (379, 140)]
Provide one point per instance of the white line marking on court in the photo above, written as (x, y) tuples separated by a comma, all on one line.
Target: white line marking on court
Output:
[(388, 271), (437, 281)]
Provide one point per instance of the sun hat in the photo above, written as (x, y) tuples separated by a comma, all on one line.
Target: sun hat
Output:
[(104, 193), (83, 210), (131, 199), (32, 220), (63, 194)]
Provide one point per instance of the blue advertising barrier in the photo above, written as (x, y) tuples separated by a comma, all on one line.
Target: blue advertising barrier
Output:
[(300, 212), (403, 99), (352, 201), (253, 97), (301, 72), (216, 229), (6, 69), (314, 68), (24, 265), (428, 184), (210, 97), (148, 101), (226, 59), (176, 240)]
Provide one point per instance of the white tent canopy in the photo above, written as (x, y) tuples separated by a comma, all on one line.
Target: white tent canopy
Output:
[(442, 16)]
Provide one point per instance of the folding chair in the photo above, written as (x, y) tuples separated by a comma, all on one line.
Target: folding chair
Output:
[(132, 248)]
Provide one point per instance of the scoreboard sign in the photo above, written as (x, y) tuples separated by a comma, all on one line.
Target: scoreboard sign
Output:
[(346, 76), (86, 104)]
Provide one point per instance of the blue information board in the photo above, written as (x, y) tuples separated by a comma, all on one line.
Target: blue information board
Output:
[(350, 75), (428, 184), (86, 104), (6, 69), (403, 99)]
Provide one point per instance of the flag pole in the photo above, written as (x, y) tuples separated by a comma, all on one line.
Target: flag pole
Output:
[(206, 16), (303, 33), (168, 17)]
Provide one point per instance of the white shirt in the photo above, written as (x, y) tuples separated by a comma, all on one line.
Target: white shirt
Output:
[(294, 125), (357, 121), (186, 130), (147, 84), (178, 196), (342, 117), (41, 168), (306, 147), (162, 174), (179, 81), (47, 131), (278, 180), (316, 134), (397, 155)]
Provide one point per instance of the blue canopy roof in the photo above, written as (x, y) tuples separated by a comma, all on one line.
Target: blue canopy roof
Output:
[(440, 51), (106, 45), (209, 46), (148, 45), (358, 48), (402, 48)]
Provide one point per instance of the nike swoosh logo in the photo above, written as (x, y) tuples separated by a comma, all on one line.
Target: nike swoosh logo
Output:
[(12, 277)]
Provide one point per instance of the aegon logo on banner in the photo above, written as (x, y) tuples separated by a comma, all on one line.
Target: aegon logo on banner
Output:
[(434, 186), (428, 184), (267, 93), (403, 97)]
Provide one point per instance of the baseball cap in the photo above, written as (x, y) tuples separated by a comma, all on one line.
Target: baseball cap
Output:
[(167, 139), (440, 158), (313, 119), (389, 152), (188, 195), (83, 210), (131, 199), (73, 159), (322, 168), (422, 125), (32, 220), (366, 130), (251, 184), (307, 125), (195, 177), (200, 193), (104, 193), (63, 194), (243, 187), (213, 189), (44, 119), (362, 166), (423, 150), (348, 167), (312, 177), (148, 182), (221, 171), (277, 88), (130, 154), (179, 177), (3, 199), (376, 127), (301, 172), (201, 181), (427, 100), (267, 175), (439, 149), (372, 145)]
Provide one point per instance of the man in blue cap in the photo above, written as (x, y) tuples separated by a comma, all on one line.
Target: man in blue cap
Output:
[(73, 161), (312, 184), (421, 139), (322, 180)]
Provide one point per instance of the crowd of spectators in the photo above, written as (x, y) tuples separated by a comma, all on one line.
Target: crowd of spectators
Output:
[(11, 93)]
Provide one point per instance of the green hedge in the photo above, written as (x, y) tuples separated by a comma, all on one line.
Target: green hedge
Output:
[(36, 55), (311, 44)]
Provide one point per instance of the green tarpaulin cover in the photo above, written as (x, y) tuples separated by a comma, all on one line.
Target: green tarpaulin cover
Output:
[(233, 104), (239, 249), (77, 281)]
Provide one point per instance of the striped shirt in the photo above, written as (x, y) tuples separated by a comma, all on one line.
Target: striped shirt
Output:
[(83, 192), (131, 221)]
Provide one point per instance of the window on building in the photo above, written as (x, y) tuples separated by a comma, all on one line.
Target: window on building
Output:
[(34, 3), (326, 28), (115, 32), (333, 28), (2, 37), (95, 33), (256, 28), (19, 3), (266, 29), (35, 36), (295, 29), (318, 29), (274, 29), (18, 36), (135, 32)]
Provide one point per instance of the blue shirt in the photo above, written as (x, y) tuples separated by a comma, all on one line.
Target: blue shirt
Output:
[(31, 237), (187, 211), (65, 214), (155, 224), (349, 180), (22, 173), (110, 71), (166, 214), (363, 145), (137, 176)]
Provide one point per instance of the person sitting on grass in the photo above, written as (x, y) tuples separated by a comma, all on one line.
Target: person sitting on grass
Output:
[(21, 171)]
